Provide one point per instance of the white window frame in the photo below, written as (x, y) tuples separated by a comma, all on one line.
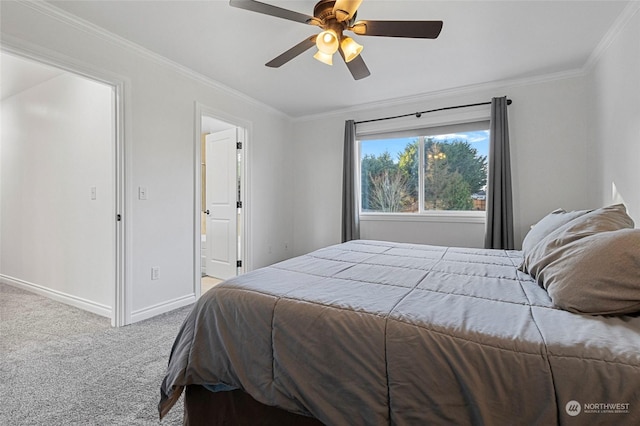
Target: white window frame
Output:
[(386, 129)]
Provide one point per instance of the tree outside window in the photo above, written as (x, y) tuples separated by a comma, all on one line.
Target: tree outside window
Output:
[(452, 172)]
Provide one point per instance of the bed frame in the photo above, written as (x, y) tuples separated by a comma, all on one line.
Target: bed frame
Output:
[(203, 407)]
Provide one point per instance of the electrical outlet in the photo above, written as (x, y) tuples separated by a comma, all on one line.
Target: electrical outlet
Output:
[(286, 246), (155, 273)]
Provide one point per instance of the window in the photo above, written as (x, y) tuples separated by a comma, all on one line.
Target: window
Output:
[(435, 169)]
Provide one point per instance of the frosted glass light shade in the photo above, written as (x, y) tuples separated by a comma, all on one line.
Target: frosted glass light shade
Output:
[(324, 58), (350, 48), (327, 42)]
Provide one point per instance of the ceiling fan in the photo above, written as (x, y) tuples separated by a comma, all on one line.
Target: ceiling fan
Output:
[(334, 17)]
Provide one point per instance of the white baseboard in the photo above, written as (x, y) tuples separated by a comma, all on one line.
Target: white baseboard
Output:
[(161, 308), (59, 296)]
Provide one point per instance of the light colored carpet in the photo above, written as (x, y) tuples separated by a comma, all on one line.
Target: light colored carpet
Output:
[(60, 365)]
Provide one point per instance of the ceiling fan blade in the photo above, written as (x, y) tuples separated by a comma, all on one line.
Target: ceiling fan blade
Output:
[(356, 66), (267, 9), (408, 29), (296, 50), (345, 9)]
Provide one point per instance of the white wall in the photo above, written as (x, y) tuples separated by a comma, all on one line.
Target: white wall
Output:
[(160, 141), (615, 120), (56, 144), (548, 150)]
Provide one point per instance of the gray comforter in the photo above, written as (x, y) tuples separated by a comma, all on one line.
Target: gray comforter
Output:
[(375, 333)]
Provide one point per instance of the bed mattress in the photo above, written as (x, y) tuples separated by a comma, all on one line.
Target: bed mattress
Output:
[(371, 332)]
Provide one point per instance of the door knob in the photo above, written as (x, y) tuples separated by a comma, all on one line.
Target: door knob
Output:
[(206, 212)]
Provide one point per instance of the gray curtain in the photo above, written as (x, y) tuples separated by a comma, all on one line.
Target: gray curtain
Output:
[(350, 217), (499, 232)]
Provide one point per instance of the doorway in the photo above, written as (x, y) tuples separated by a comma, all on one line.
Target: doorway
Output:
[(73, 185), (222, 218)]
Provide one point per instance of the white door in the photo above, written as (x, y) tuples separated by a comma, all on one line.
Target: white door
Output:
[(221, 203)]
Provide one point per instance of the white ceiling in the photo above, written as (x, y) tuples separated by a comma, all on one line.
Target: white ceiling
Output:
[(481, 42)]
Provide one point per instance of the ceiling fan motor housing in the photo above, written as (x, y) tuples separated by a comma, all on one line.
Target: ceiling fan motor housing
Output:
[(324, 9), (323, 12)]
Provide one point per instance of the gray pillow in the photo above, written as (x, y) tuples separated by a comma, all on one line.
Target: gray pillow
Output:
[(598, 274), (611, 218), (548, 224)]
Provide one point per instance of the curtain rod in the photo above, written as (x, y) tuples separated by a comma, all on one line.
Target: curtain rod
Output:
[(419, 113)]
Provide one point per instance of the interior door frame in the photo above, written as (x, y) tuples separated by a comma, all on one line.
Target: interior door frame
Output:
[(245, 238), (121, 295)]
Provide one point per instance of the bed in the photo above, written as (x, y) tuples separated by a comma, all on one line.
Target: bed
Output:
[(373, 333)]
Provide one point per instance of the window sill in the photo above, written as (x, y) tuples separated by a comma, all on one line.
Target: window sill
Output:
[(438, 217)]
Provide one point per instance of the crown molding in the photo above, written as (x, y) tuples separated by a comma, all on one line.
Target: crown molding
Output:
[(67, 18), (620, 23), (498, 85)]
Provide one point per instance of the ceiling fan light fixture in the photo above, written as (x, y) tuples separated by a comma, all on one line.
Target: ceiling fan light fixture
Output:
[(327, 42), (324, 57), (334, 17), (350, 48)]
